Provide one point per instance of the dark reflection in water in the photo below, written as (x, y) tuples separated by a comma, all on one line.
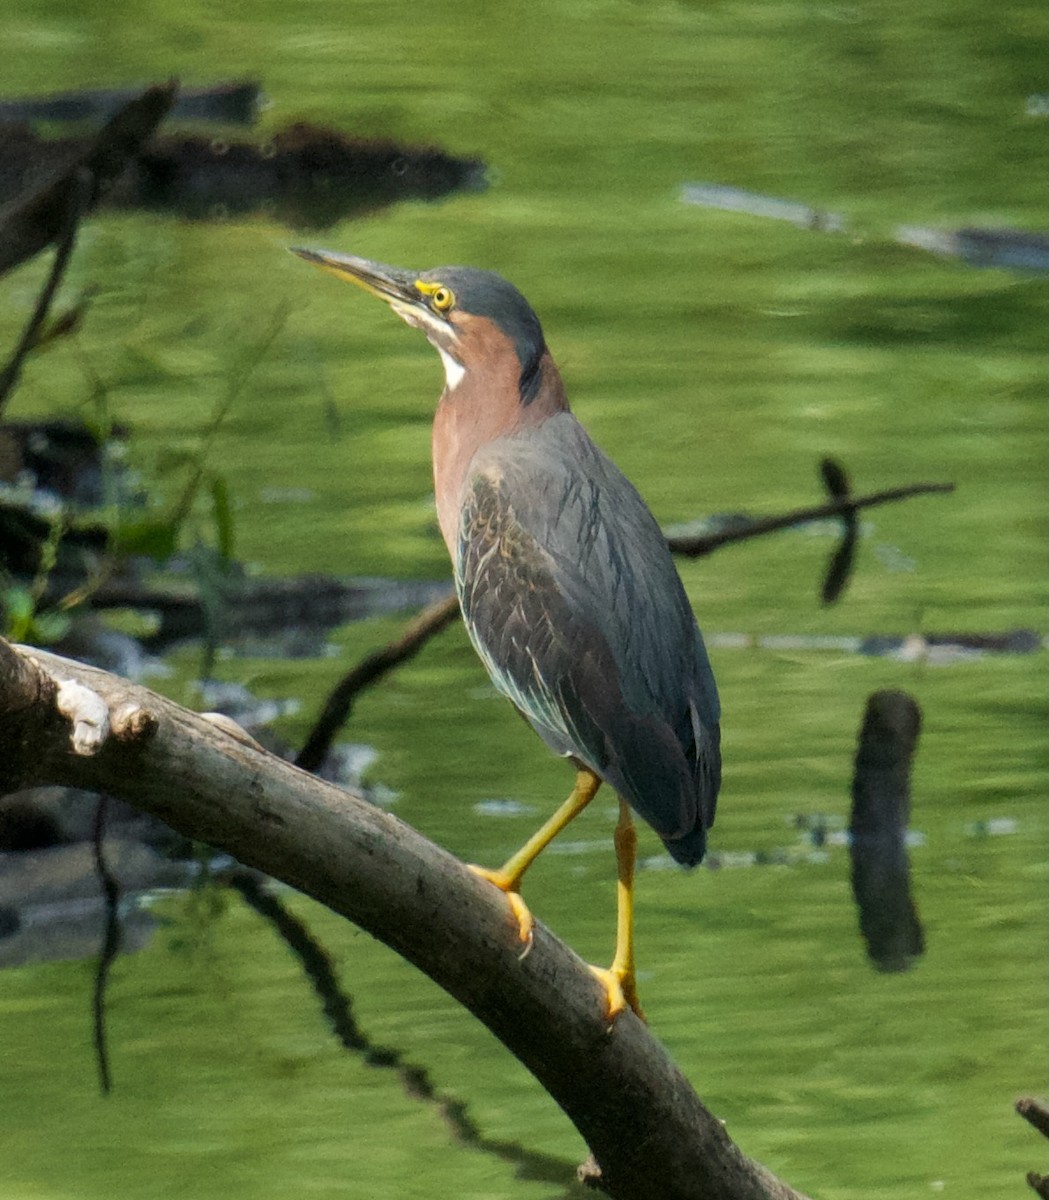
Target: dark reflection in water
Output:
[(415, 1079), (881, 803)]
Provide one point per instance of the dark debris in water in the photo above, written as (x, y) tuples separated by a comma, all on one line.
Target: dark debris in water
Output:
[(306, 176), (234, 103), (938, 649), (49, 886), (1006, 249), (947, 646), (42, 183)]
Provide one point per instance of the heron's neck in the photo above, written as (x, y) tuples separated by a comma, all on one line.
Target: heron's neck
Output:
[(484, 404)]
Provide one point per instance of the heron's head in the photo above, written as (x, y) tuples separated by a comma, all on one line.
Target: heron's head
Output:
[(469, 315)]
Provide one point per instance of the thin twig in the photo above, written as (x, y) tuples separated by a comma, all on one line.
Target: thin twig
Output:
[(236, 381), (311, 955), (697, 546), (81, 188)]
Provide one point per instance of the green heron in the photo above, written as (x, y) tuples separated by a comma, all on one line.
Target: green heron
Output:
[(566, 583)]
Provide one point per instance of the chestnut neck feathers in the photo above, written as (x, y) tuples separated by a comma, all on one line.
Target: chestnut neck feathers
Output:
[(486, 403)]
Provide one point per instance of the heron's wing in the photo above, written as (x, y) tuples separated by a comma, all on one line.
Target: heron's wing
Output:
[(574, 604), (606, 558), (536, 647)]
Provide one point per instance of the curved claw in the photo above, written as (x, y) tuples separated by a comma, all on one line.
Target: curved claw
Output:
[(620, 990), (522, 914)]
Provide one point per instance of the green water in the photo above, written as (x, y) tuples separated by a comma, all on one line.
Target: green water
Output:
[(716, 356)]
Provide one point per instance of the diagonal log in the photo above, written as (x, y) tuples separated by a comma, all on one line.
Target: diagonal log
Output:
[(649, 1134)]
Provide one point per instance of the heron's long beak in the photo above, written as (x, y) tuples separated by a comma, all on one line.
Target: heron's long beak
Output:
[(402, 290), (388, 283)]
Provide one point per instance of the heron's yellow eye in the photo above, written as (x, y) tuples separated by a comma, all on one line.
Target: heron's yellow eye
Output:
[(441, 298)]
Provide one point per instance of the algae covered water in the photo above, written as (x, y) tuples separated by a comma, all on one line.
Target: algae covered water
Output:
[(717, 353)]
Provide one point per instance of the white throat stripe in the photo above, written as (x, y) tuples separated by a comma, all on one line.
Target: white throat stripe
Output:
[(453, 371)]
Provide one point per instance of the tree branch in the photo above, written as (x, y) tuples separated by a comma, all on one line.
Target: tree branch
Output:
[(696, 547), (646, 1128), (433, 618)]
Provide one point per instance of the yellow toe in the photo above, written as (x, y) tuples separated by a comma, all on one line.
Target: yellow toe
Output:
[(522, 915), (620, 990)]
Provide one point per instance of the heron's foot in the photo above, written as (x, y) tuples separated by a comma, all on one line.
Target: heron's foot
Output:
[(620, 988), (522, 914)]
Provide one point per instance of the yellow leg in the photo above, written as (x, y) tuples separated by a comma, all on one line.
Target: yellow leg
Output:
[(619, 979), (508, 877)]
